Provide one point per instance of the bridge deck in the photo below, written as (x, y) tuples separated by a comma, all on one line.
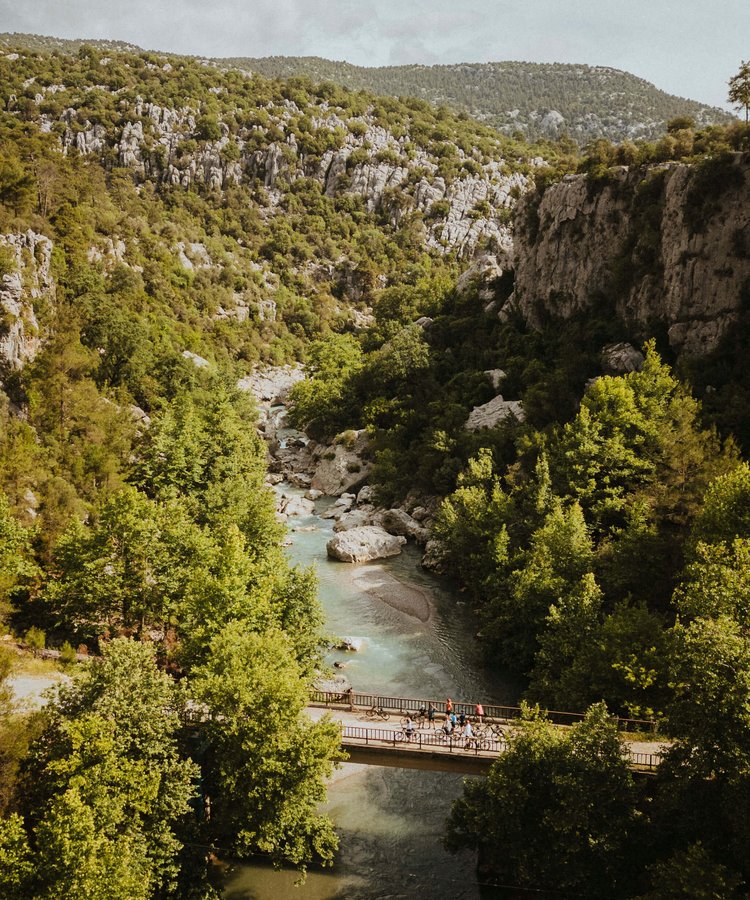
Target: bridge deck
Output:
[(384, 743)]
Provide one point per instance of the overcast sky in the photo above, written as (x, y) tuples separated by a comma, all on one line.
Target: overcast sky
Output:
[(686, 47)]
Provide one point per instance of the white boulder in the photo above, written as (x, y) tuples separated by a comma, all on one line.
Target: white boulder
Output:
[(364, 544)]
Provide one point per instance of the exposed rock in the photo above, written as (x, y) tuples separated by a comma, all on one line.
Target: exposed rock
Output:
[(355, 519), (299, 479), (569, 246), (396, 521), (433, 558), (26, 282), (338, 684), (495, 376), (198, 361), (313, 494), (296, 507), (140, 415), (481, 274), (364, 544), (272, 385), (493, 413), (350, 644), (618, 359), (366, 494), (341, 466)]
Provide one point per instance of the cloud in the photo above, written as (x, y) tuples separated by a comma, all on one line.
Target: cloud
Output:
[(688, 47)]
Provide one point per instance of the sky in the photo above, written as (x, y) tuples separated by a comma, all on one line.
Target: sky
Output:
[(686, 47)]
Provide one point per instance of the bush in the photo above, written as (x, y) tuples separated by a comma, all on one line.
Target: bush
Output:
[(67, 654), (36, 639)]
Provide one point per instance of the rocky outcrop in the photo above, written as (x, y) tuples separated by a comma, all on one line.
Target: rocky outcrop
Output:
[(359, 545), (493, 413), (619, 359), (666, 245), (342, 465), (164, 144), (25, 285)]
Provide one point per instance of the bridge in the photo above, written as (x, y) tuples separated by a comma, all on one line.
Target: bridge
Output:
[(372, 733)]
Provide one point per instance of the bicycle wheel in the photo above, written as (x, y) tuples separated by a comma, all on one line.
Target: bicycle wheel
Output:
[(400, 736), (484, 744)]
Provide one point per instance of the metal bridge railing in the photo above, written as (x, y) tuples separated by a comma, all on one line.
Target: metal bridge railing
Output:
[(422, 740), (493, 712)]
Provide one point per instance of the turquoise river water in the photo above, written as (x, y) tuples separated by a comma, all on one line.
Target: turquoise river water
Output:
[(389, 820)]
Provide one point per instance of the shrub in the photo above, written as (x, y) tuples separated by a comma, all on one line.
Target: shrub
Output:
[(67, 654), (36, 639)]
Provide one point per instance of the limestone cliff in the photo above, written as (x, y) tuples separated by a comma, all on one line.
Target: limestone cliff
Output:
[(25, 285), (666, 246), (391, 173)]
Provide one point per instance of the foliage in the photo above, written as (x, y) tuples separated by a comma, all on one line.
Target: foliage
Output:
[(104, 787), (556, 811), (266, 763), (739, 88)]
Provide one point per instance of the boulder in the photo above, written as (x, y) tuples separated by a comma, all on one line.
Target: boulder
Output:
[(396, 521), (366, 494), (433, 556), (296, 507), (495, 376), (493, 413), (338, 684), (341, 466), (312, 494), (354, 519), (350, 644), (619, 359), (364, 544)]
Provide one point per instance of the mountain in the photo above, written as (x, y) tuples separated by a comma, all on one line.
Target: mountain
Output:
[(536, 99)]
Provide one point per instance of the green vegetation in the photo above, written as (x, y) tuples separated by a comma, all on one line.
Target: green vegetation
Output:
[(603, 542), (513, 96), (739, 89)]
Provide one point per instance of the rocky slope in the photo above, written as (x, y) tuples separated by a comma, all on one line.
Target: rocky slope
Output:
[(399, 168), (667, 246), (26, 288)]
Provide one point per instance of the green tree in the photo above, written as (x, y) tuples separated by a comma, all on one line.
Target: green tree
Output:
[(739, 88), (556, 811), (104, 788), (265, 766)]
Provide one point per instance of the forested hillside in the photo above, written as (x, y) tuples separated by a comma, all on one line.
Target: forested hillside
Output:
[(164, 226), (538, 100)]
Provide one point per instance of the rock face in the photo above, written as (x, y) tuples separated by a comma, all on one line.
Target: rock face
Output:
[(619, 359), (358, 545), (493, 413), (25, 283), (342, 466), (666, 245), (392, 174)]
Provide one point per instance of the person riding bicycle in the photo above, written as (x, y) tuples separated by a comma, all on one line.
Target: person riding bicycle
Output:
[(409, 728), (448, 725), (469, 734)]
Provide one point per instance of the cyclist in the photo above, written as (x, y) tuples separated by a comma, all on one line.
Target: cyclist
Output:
[(469, 735), (409, 728)]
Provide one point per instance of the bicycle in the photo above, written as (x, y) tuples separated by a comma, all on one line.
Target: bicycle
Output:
[(417, 718), (408, 737), (377, 712)]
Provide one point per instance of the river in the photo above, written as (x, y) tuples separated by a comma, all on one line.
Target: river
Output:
[(417, 640)]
